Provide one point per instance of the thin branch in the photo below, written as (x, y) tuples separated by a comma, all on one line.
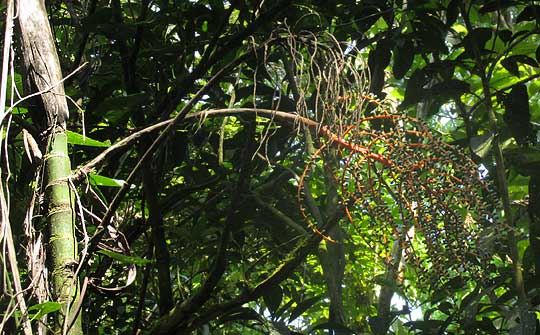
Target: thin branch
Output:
[(169, 127), (185, 309), (279, 214), (45, 90), (177, 93), (282, 272), (169, 323), (267, 113)]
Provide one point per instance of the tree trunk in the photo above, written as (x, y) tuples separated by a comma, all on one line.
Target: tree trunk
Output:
[(332, 258), (383, 321), (43, 73)]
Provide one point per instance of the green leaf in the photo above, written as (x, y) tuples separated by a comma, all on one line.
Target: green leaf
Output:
[(525, 160), (242, 313), (124, 258), (403, 58), (78, 139), (476, 39), (524, 59), (481, 144), (430, 33), (511, 66), (272, 298), (529, 13), (100, 180), (414, 90), (452, 12), (517, 114), (36, 312), (428, 326), (302, 307), (341, 329), (511, 63), (118, 108), (505, 35), (495, 5)]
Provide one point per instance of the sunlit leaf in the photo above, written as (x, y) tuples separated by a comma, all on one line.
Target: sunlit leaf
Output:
[(36, 312), (302, 307), (78, 139), (125, 259), (529, 13), (100, 180), (272, 298), (481, 144)]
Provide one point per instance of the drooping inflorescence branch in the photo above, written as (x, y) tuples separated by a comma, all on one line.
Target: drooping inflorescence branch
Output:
[(406, 184)]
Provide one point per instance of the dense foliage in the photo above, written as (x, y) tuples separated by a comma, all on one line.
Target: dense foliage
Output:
[(282, 167)]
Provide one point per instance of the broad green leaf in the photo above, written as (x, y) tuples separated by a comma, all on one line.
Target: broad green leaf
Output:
[(242, 313), (100, 180), (476, 40), (38, 311), (505, 35), (537, 54), (529, 13), (452, 12), (481, 144), (302, 307), (272, 298), (341, 329), (517, 114), (118, 108), (495, 5), (511, 66), (428, 326), (403, 58), (124, 258), (78, 139), (524, 59), (414, 91), (511, 63)]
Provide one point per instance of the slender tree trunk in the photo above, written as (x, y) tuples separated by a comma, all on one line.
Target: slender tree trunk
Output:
[(44, 75), (332, 258), (534, 223), (384, 319)]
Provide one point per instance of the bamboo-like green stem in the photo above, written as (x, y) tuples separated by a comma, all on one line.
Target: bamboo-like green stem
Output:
[(63, 246), (41, 65)]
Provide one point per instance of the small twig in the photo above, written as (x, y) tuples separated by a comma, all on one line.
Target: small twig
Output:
[(47, 89)]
